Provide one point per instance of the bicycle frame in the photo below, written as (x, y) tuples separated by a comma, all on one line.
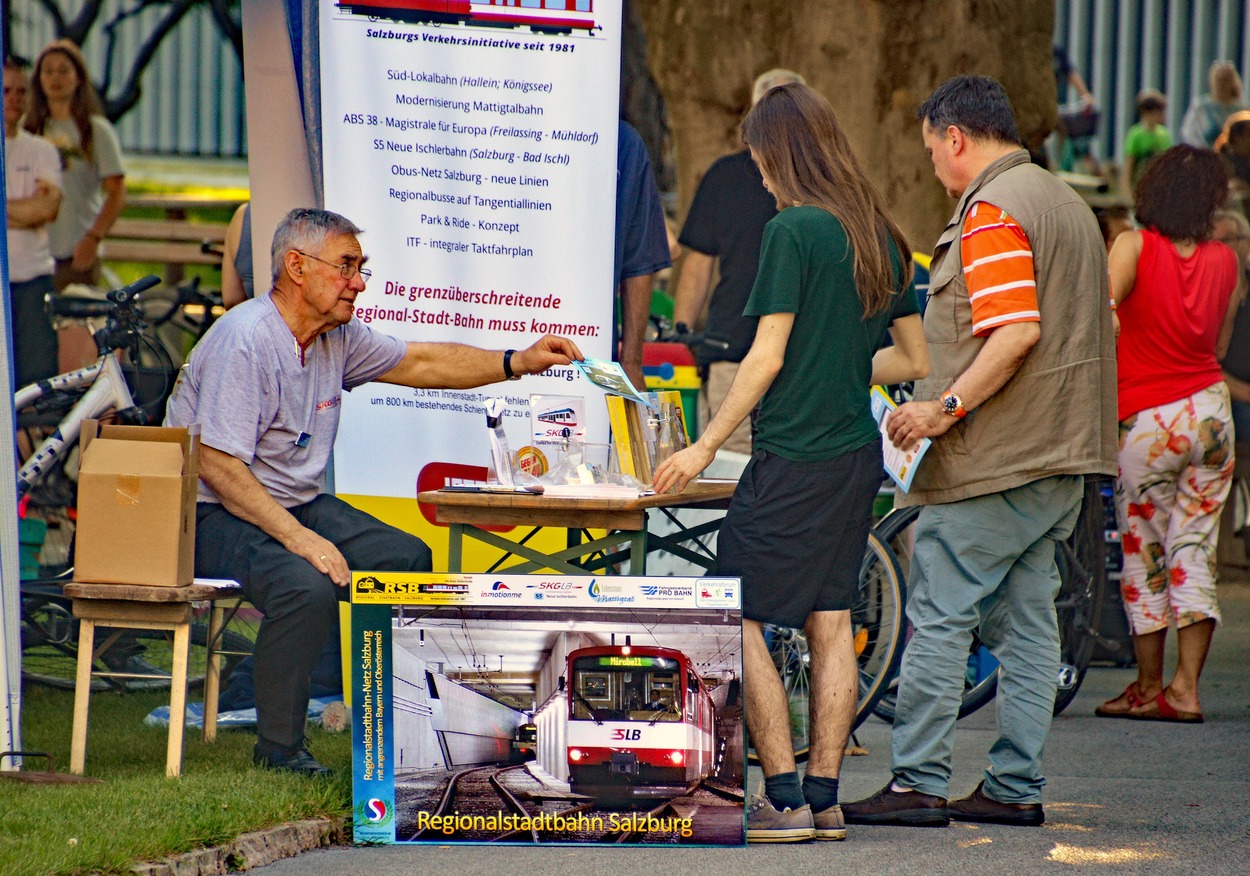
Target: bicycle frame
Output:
[(107, 391)]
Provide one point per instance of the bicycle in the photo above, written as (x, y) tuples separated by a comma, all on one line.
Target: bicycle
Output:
[(1078, 605), (48, 629), (877, 628)]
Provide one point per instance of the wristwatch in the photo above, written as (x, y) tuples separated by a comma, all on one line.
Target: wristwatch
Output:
[(507, 366), (953, 405)]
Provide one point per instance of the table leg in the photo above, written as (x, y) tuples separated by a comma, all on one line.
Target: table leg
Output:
[(82, 698), (638, 552), (178, 701), (455, 547), (212, 674)]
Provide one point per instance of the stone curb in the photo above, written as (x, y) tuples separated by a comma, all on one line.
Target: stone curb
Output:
[(253, 849)]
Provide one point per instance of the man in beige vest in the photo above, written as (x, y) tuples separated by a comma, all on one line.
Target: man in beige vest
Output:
[(1020, 404)]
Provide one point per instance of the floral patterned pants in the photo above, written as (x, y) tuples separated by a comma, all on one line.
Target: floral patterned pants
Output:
[(1176, 468)]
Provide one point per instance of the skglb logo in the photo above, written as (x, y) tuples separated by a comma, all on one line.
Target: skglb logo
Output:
[(376, 810)]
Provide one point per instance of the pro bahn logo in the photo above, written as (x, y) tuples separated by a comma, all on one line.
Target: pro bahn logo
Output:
[(666, 592)]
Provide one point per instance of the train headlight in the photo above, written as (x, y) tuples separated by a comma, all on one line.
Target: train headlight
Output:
[(677, 757), (575, 755)]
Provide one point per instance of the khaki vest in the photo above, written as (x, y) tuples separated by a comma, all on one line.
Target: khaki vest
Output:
[(1057, 414)]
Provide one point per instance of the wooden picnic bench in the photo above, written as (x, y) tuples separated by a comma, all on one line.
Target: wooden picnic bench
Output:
[(174, 241)]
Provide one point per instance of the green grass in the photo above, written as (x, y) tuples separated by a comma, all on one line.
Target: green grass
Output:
[(137, 814)]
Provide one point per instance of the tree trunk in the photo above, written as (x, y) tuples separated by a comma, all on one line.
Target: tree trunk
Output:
[(875, 60)]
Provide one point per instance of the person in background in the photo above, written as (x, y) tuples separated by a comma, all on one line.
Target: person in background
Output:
[(1175, 294), (237, 284), (1232, 230), (265, 386), (1112, 222), (1233, 146), (641, 249), (1019, 328), (1206, 115), (1072, 144), (1146, 139), (724, 229), (834, 277), (66, 109), (32, 173)]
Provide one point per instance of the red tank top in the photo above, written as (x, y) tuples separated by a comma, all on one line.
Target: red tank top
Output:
[(1170, 322)]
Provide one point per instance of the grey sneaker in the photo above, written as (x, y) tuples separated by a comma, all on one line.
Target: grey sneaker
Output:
[(829, 823), (766, 825)]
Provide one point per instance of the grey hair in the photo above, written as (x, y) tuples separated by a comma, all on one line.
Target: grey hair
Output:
[(1233, 216), (770, 79), (306, 229)]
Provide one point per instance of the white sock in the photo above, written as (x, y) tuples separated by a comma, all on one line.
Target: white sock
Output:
[(899, 789)]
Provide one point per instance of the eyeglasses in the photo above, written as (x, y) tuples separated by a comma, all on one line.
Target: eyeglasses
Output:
[(346, 271)]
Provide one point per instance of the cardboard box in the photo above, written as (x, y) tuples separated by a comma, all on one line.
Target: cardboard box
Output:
[(136, 505)]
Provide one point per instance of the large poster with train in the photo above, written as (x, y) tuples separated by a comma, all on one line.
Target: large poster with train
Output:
[(547, 709)]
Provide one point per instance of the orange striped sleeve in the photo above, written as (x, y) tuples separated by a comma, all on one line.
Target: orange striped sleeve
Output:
[(998, 269)]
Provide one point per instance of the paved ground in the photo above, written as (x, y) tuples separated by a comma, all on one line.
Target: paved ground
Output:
[(1124, 797)]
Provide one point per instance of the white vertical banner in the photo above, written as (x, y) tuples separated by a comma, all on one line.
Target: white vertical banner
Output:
[(475, 144)]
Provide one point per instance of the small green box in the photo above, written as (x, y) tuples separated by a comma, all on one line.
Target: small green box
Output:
[(31, 531)]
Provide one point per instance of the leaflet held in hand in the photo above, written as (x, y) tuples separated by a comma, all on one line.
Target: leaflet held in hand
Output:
[(899, 464)]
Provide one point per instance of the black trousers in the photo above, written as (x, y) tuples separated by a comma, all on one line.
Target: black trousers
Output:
[(299, 603)]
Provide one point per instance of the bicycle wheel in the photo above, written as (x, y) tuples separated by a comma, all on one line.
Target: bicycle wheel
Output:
[(1083, 572), (50, 651), (876, 625), (896, 529)]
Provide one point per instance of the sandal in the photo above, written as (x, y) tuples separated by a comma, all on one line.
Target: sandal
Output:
[(1159, 709), (1119, 707)]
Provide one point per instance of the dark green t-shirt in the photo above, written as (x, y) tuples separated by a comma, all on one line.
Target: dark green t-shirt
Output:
[(818, 407)]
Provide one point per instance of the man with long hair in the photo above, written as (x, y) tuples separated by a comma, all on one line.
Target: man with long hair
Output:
[(1020, 406), (834, 277)]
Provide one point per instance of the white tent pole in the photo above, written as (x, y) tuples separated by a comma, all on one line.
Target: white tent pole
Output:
[(10, 575)]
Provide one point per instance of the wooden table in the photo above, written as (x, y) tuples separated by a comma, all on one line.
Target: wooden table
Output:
[(468, 513)]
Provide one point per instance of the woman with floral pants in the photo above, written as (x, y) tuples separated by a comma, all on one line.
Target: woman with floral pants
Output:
[(1177, 294)]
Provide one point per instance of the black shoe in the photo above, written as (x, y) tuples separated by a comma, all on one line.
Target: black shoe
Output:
[(978, 807), (292, 759), (908, 808)]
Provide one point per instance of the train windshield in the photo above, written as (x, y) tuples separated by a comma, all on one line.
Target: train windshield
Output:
[(527, 734), (617, 687)]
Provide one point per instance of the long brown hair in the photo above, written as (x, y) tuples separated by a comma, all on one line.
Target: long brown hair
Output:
[(84, 104), (797, 142)]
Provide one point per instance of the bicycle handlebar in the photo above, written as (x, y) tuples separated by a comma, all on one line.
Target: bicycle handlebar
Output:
[(126, 293)]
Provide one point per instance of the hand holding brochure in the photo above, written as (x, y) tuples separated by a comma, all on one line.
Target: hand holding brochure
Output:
[(899, 464), (611, 377)]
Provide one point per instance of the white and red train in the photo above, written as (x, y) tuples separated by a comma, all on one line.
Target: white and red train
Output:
[(632, 722), (544, 16)]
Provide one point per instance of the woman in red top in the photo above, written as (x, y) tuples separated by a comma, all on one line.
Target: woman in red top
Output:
[(1173, 287)]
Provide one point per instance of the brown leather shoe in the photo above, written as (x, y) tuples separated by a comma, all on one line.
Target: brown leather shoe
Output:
[(908, 808), (978, 807)]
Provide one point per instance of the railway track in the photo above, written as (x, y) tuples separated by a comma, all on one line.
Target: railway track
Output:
[(490, 804)]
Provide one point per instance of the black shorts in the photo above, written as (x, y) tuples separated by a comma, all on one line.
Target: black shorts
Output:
[(795, 533)]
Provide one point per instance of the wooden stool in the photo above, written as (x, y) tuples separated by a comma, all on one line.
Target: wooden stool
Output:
[(131, 606)]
